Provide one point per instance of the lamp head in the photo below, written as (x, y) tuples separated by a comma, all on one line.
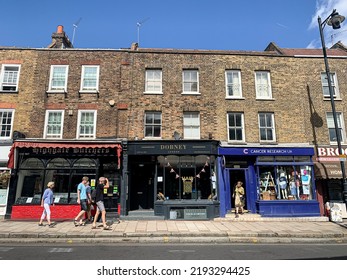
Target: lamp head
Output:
[(335, 20)]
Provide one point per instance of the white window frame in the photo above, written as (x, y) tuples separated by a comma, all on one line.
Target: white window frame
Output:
[(271, 127), (334, 85), (263, 85), (235, 127), (152, 125), (190, 81), (233, 84), (11, 124), (191, 125), (57, 135), (83, 79), (12, 77), (60, 88), (152, 83), (92, 135), (331, 125)]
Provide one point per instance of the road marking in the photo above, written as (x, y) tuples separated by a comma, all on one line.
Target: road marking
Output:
[(60, 250), (183, 251), (5, 249)]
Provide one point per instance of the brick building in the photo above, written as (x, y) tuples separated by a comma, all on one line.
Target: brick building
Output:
[(185, 123)]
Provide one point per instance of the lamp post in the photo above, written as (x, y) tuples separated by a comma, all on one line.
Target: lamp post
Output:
[(334, 20)]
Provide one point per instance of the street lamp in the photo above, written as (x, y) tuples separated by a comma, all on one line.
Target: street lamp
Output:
[(334, 20)]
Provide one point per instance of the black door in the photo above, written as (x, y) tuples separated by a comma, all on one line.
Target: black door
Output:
[(142, 186)]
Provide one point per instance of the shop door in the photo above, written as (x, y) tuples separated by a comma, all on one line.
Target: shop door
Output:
[(142, 186), (235, 176)]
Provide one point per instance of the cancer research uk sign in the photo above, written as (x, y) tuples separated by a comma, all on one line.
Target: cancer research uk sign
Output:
[(276, 151), (331, 154)]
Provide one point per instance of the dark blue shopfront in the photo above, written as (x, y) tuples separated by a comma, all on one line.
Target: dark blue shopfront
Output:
[(278, 181)]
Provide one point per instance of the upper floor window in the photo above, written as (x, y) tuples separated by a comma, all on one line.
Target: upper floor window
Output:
[(263, 85), (236, 127), (325, 85), (54, 124), (191, 125), (267, 127), (153, 81), (90, 78), (86, 124), (340, 126), (6, 123), (233, 84), (58, 78), (191, 81), (9, 77), (153, 124)]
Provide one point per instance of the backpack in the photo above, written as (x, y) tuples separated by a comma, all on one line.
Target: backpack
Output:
[(93, 194)]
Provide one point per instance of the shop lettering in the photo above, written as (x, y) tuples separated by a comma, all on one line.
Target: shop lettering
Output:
[(172, 147), (267, 151), (330, 152), (59, 151)]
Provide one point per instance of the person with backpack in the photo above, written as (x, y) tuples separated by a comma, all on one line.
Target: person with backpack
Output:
[(99, 199)]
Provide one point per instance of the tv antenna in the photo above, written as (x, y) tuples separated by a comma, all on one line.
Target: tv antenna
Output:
[(139, 24), (75, 25)]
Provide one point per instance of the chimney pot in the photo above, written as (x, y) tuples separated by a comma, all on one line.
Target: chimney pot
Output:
[(60, 29)]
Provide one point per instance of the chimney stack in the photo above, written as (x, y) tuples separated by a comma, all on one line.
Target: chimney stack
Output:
[(60, 39)]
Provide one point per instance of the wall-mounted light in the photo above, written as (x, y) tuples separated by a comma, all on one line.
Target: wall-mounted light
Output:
[(112, 102)]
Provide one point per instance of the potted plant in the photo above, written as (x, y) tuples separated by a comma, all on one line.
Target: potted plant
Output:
[(5, 177)]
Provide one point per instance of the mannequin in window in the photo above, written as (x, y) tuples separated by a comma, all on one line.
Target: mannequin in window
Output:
[(283, 184)]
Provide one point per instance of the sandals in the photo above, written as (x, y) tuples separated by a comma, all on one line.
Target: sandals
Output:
[(40, 224), (93, 227), (107, 228)]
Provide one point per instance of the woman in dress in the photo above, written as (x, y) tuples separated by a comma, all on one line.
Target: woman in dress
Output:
[(238, 195)]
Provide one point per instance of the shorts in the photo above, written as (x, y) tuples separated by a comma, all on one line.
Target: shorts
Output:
[(100, 205), (84, 205)]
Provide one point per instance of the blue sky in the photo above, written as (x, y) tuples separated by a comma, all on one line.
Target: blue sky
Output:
[(179, 24)]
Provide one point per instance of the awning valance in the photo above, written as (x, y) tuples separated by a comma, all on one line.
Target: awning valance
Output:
[(328, 170), (57, 145)]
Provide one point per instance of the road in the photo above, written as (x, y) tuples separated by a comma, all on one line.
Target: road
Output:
[(173, 251)]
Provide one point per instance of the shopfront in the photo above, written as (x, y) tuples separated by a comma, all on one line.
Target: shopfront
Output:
[(328, 174), (176, 179), (278, 181), (35, 163)]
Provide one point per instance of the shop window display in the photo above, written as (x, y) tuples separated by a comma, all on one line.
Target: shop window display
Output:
[(285, 182)]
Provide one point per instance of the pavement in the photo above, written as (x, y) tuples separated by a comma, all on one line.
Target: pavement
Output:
[(246, 229)]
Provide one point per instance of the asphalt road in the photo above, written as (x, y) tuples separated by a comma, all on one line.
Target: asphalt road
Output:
[(173, 251)]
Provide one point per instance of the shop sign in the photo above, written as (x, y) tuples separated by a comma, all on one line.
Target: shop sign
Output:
[(171, 148), (3, 196), (266, 151), (331, 154), (195, 214), (64, 151)]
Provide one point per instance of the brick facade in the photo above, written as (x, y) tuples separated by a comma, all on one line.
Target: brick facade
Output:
[(296, 89)]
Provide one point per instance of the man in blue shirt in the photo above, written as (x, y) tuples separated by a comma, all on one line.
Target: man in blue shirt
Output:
[(82, 200)]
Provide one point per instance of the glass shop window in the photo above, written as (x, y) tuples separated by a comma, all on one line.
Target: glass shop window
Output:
[(285, 182)]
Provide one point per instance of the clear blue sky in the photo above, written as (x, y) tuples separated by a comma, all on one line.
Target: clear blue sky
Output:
[(179, 24)]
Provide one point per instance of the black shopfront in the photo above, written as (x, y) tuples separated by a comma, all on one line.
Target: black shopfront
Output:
[(175, 179)]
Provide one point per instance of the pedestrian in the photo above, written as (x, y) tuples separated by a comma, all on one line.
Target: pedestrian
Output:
[(89, 202), (100, 207), (46, 201), (238, 195), (82, 200)]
